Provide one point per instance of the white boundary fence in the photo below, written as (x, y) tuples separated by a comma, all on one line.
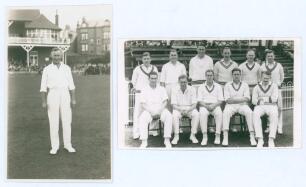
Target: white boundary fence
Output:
[(287, 94)]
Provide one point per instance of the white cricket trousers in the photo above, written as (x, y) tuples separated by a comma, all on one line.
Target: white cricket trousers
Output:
[(217, 113), (145, 119), (272, 112), (58, 101), (193, 115), (231, 109)]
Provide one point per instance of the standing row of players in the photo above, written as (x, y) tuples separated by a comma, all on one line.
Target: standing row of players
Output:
[(201, 70)]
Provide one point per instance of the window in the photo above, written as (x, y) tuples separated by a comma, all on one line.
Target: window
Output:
[(84, 36), (106, 35), (98, 41), (84, 47)]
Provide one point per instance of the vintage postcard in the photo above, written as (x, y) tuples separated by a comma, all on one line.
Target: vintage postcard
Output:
[(59, 93), (209, 93)]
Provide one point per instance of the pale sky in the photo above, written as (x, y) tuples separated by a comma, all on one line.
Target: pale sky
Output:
[(69, 15)]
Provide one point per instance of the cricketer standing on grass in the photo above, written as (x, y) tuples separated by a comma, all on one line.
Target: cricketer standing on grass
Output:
[(210, 97), (171, 71), (198, 65), (250, 72), (140, 79), (265, 96), (223, 68), (184, 102), (153, 99), (237, 97), (277, 76), (56, 87)]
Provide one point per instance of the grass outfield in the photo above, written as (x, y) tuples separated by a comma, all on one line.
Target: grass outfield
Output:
[(235, 139), (28, 131)]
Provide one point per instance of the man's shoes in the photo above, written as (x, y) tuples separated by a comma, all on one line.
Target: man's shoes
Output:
[(135, 136), (271, 143), (153, 133), (267, 130), (253, 141), (144, 144), (193, 139), (70, 149), (175, 140), (280, 131), (53, 151), (211, 130), (225, 142), (217, 139), (204, 141), (260, 143), (167, 143)]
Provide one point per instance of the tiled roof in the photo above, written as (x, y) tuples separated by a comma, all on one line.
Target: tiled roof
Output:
[(23, 14), (41, 22)]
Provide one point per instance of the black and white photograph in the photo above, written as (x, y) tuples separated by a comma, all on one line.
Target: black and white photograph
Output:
[(59, 92), (208, 93)]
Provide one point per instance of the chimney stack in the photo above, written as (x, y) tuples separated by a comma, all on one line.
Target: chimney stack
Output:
[(56, 19)]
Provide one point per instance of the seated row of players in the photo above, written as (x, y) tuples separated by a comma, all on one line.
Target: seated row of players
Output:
[(209, 97), (197, 68)]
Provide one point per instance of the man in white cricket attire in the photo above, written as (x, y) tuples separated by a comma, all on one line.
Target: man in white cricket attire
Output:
[(140, 80), (250, 72), (210, 97), (265, 96), (184, 102), (198, 65), (171, 71), (56, 83), (237, 96), (223, 68), (153, 99), (277, 76)]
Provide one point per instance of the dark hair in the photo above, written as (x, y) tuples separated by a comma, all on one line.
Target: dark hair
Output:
[(236, 69), (209, 70), (251, 50), (145, 54), (173, 50), (183, 76), (153, 73), (226, 48), (266, 73), (268, 51)]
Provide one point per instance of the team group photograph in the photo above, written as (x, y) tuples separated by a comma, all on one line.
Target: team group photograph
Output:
[(208, 93)]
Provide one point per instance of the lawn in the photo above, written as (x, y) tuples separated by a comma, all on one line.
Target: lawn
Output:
[(28, 131), (235, 139)]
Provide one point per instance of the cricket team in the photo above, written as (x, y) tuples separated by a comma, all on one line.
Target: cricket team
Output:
[(219, 90)]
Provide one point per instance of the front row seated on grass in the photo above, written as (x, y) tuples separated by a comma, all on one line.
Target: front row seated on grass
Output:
[(209, 97)]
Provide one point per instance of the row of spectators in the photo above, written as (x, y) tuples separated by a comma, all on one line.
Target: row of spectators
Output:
[(83, 69)]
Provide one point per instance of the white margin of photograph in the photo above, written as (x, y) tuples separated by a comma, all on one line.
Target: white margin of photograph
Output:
[(297, 118), (5, 77)]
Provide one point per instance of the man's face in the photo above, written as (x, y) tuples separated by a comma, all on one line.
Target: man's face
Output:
[(173, 56), (183, 83), (250, 56), (201, 51), (146, 60), (270, 57), (153, 80), (56, 56), (209, 76), (236, 76), (266, 78), (226, 53)]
